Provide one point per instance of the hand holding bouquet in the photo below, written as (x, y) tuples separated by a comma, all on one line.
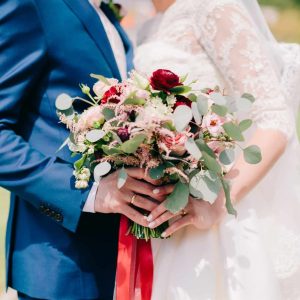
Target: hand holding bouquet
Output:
[(176, 134)]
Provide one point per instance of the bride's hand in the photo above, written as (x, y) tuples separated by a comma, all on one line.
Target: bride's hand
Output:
[(198, 213)]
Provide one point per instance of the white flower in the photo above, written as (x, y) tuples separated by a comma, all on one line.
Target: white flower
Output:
[(91, 150), (171, 100), (81, 184)]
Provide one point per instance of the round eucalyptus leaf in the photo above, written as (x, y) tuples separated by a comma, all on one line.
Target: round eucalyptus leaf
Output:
[(182, 117), (193, 149), (243, 104), (196, 113), (63, 102), (227, 157), (252, 155), (95, 135), (101, 170), (218, 98)]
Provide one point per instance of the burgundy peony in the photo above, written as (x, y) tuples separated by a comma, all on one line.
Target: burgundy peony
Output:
[(181, 100), (112, 95), (164, 80), (123, 134)]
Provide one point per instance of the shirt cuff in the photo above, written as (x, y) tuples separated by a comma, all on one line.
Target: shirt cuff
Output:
[(89, 205)]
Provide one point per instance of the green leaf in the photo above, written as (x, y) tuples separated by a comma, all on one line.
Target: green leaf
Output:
[(158, 172), (181, 89), (63, 102), (202, 104), (178, 199), (122, 178), (249, 97), (101, 78), (101, 170), (211, 163), (245, 124), (193, 149), (227, 156), (204, 148), (243, 104), (196, 114), (182, 117), (111, 150), (252, 155), (233, 131), (133, 144), (80, 162), (229, 206), (219, 110), (218, 98), (95, 135), (192, 97), (183, 78), (133, 100), (108, 113), (205, 185)]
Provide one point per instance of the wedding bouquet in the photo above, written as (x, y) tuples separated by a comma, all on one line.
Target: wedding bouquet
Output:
[(177, 134)]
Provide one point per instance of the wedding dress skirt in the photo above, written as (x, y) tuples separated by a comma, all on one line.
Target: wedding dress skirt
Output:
[(257, 254)]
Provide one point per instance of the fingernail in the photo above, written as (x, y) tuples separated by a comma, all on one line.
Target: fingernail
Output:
[(156, 191), (151, 225), (164, 235), (149, 218)]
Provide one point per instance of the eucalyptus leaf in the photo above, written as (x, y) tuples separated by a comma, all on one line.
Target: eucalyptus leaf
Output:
[(133, 100), (108, 113), (183, 78), (193, 149), (196, 113), (182, 117), (181, 89), (252, 155), (243, 104), (227, 156), (202, 104), (192, 97), (229, 206), (245, 124), (178, 199), (204, 148), (95, 135), (211, 163), (157, 172), (101, 170), (64, 102), (233, 131), (133, 144), (122, 178), (80, 162), (249, 97), (111, 150), (219, 110), (218, 98)]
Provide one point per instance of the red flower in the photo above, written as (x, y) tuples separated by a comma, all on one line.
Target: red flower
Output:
[(181, 100), (164, 80), (123, 134), (112, 95)]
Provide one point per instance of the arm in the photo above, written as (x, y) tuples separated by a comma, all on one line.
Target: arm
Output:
[(44, 181), (227, 35)]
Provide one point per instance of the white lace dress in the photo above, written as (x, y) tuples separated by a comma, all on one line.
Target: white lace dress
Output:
[(257, 255)]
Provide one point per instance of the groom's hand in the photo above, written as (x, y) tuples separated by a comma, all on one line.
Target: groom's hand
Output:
[(110, 199)]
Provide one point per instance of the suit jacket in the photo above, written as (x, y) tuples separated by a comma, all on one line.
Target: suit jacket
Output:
[(53, 250)]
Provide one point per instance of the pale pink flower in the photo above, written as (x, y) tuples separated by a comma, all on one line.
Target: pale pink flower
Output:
[(89, 117), (176, 143), (213, 123)]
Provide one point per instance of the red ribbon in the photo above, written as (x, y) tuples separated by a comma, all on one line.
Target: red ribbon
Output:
[(134, 277)]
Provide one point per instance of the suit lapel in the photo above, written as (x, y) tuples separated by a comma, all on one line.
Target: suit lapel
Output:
[(126, 41), (90, 20)]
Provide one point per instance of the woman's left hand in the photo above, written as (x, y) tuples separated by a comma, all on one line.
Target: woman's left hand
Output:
[(198, 213)]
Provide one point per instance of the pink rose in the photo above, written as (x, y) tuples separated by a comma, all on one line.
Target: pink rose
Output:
[(89, 117), (175, 144), (213, 123)]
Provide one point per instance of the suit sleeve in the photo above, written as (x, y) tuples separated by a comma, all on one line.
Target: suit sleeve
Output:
[(44, 181)]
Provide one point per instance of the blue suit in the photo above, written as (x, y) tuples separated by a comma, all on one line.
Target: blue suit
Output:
[(54, 251)]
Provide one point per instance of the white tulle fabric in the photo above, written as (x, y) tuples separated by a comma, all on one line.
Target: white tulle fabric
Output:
[(257, 255)]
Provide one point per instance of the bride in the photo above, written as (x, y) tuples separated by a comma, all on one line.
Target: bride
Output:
[(257, 255)]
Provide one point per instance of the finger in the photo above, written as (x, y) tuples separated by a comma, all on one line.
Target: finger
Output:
[(158, 211), (182, 222), (142, 174), (141, 202), (161, 219), (134, 215), (144, 188)]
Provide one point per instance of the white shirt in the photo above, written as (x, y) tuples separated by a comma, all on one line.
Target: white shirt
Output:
[(120, 56)]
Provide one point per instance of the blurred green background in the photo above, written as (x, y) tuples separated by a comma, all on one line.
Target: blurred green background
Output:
[(284, 19)]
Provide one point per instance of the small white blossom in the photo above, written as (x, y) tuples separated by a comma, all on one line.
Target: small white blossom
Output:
[(81, 184)]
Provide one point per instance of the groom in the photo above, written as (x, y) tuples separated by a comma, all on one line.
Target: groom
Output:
[(57, 248)]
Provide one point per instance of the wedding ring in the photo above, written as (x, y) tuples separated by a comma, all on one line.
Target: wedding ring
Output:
[(133, 199)]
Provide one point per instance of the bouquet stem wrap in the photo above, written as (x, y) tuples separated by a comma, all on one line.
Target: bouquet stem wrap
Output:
[(135, 266)]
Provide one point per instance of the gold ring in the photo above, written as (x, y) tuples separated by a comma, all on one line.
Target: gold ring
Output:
[(133, 199)]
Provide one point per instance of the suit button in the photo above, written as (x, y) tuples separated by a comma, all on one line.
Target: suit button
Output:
[(58, 218)]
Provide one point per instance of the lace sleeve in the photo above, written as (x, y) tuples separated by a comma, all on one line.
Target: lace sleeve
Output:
[(229, 37)]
